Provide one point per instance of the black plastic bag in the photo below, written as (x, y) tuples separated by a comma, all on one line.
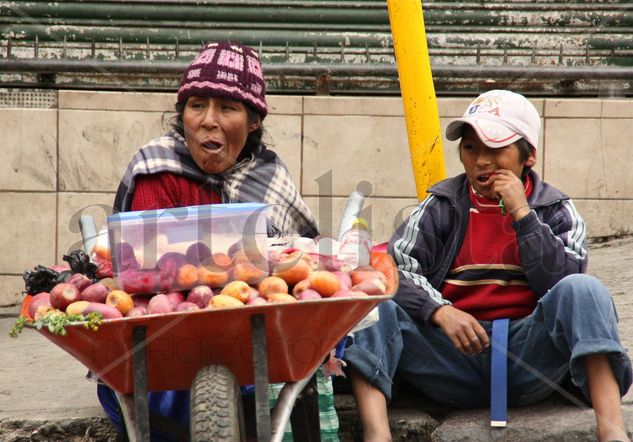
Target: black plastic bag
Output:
[(43, 279), (80, 263)]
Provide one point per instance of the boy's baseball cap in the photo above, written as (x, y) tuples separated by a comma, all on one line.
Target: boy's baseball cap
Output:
[(500, 118)]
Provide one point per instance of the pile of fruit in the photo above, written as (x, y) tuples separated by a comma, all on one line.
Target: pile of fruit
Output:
[(219, 281)]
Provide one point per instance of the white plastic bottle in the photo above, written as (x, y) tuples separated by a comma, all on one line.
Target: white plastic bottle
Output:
[(355, 247)]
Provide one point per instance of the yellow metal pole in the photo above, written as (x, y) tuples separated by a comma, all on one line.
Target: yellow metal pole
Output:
[(418, 93)]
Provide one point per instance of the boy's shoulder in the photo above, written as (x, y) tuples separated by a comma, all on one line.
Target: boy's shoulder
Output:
[(545, 193), (453, 188)]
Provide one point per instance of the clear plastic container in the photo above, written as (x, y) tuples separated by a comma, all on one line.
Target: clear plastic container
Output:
[(152, 249)]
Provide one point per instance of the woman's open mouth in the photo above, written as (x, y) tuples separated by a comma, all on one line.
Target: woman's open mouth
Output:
[(211, 145)]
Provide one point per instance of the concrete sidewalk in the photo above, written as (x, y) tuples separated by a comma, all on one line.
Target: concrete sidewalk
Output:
[(44, 395)]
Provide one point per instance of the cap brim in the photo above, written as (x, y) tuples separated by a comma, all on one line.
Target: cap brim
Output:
[(491, 133)]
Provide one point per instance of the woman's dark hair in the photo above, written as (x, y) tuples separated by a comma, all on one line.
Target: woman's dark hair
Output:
[(253, 140)]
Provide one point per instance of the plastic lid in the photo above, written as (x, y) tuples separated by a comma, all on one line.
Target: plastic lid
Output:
[(360, 222)]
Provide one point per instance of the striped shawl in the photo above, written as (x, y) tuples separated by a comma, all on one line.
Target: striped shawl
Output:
[(260, 178)]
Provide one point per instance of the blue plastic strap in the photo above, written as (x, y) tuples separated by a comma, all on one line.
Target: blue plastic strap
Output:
[(499, 374), (340, 348)]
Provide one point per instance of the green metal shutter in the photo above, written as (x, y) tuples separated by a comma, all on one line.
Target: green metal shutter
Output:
[(326, 46)]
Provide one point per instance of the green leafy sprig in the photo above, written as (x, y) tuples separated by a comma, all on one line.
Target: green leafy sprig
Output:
[(56, 323)]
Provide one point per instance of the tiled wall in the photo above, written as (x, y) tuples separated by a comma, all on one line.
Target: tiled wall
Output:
[(67, 160)]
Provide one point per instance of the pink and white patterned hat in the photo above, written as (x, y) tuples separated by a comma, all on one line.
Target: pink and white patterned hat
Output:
[(500, 118), (227, 70)]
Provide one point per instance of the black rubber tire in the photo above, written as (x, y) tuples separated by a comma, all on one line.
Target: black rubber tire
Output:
[(216, 406)]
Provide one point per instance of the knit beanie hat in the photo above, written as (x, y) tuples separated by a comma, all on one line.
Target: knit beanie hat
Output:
[(226, 70)]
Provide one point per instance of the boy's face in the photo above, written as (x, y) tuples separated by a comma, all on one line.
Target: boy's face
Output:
[(481, 162)]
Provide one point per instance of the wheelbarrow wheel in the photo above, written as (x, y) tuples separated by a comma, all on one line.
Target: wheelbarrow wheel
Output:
[(216, 406)]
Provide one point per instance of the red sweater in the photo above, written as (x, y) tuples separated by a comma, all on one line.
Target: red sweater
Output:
[(166, 190), (487, 278)]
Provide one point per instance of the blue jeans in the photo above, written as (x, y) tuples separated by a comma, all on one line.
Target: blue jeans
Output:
[(576, 318)]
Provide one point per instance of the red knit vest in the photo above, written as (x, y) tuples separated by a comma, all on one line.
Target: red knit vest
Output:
[(166, 190), (487, 278)]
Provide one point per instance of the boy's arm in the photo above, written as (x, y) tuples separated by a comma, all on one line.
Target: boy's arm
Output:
[(553, 247), (415, 248)]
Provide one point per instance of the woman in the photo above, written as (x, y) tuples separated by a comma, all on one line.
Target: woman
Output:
[(214, 154)]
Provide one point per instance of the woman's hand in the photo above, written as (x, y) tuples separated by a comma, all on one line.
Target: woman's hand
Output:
[(508, 186), (464, 331)]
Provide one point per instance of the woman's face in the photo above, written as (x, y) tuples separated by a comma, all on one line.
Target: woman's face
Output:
[(216, 130)]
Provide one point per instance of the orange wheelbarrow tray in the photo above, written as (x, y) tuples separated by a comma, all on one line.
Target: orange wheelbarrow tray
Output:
[(257, 344)]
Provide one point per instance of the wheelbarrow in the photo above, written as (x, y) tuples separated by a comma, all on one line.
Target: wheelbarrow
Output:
[(213, 353)]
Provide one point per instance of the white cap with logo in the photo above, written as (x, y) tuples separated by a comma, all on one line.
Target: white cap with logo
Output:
[(500, 118)]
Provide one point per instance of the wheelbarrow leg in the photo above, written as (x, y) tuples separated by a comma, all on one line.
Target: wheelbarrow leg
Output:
[(260, 372), (126, 403), (134, 408), (305, 417)]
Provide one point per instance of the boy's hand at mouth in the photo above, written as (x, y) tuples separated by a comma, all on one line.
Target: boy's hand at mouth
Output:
[(509, 188)]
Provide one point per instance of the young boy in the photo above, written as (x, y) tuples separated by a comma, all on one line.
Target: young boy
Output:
[(494, 242)]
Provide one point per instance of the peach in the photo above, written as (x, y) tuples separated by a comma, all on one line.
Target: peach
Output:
[(324, 282), (102, 249), (197, 253), (200, 295), (308, 294), (64, 294), (373, 287), (140, 300), (110, 283), (79, 280), (96, 292), (257, 300), (136, 281), (212, 276), (239, 290), (272, 284), (42, 298), (254, 293), (106, 311), (292, 269), (126, 257), (137, 311), (159, 304), (360, 274), (344, 279), (187, 276), (60, 267), (300, 287), (186, 306), (220, 260), (281, 298), (349, 294), (249, 273), (44, 310), (241, 252), (224, 301), (175, 298), (77, 307), (120, 300), (170, 262)]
